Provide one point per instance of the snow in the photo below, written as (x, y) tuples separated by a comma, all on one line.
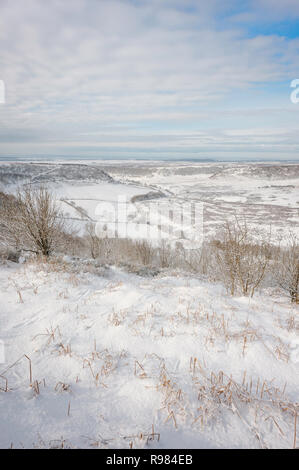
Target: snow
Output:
[(120, 360), (80, 201), (265, 193)]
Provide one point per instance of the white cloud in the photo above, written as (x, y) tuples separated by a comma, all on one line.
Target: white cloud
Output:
[(72, 68)]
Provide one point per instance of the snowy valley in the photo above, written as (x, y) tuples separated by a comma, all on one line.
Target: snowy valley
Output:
[(101, 355)]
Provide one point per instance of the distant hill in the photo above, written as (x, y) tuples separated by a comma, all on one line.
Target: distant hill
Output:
[(40, 172)]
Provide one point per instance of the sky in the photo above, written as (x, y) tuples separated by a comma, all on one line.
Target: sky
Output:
[(150, 79)]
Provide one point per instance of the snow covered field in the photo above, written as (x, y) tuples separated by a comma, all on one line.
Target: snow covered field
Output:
[(119, 360), (267, 194), (99, 357)]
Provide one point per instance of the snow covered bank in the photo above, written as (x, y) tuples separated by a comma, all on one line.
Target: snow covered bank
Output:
[(122, 361)]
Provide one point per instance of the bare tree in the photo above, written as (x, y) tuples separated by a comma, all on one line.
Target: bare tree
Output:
[(32, 221)]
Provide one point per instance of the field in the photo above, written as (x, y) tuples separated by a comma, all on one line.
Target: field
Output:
[(267, 194)]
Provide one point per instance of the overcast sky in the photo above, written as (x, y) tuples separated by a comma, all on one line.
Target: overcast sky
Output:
[(150, 78)]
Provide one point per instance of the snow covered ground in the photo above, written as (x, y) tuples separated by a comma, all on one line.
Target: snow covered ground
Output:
[(81, 201), (112, 360)]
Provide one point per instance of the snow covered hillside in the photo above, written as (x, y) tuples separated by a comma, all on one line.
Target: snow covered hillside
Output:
[(98, 357), (265, 194)]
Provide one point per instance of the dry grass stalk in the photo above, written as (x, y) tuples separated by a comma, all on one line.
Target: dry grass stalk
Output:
[(5, 389), (171, 416), (62, 387), (65, 350), (141, 436), (30, 369), (50, 333), (139, 370)]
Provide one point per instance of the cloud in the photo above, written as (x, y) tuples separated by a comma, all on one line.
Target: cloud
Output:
[(73, 68), (277, 9)]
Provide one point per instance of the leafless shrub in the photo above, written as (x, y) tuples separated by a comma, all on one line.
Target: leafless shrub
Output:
[(31, 221), (144, 252), (94, 242), (73, 245), (242, 260), (118, 250), (196, 260), (286, 270), (164, 254)]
